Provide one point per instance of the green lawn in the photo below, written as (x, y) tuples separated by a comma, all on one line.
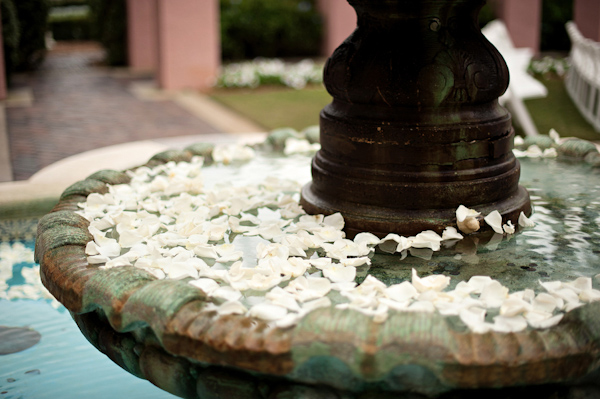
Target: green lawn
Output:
[(275, 107), (558, 111)]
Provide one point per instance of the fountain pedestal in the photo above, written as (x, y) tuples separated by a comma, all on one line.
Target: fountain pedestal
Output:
[(415, 129)]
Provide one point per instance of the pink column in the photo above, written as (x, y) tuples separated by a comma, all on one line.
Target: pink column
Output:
[(523, 18), (142, 34), (339, 22), (189, 43), (586, 15)]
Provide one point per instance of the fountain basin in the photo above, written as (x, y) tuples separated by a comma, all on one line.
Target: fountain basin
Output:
[(163, 330)]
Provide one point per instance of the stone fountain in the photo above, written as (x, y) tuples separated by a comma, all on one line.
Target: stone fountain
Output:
[(414, 130)]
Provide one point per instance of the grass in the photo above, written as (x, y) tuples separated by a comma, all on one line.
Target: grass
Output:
[(558, 111), (274, 107)]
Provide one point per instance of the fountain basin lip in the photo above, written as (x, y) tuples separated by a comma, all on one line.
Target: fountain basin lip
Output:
[(40, 193), (129, 299)]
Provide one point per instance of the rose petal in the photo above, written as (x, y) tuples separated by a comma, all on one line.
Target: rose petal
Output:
[(494, 220)]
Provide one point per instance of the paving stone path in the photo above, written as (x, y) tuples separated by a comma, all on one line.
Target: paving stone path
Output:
[(79, 105)]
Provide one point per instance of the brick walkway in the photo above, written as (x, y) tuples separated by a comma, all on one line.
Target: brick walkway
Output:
[(78, 106)]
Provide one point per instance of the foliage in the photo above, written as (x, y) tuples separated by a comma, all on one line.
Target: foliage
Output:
[(33, 17), (11, 35), (270, 72), (486, 14), (109, 27), (267, 28), (71, 26), (549, 66), (555, 14), (67, 3)]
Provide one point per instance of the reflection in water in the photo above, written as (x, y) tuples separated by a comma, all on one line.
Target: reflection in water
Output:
[(564, 244), (542, 238)]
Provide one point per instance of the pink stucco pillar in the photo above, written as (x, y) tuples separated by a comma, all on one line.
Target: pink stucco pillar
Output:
[(142, 34), (586, 15), (523, 19), (189, 43), (339, 21)]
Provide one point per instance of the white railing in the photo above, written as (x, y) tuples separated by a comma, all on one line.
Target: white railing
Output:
[(583, 78)]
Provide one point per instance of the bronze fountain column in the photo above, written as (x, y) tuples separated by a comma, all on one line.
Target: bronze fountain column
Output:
[(415, 129)]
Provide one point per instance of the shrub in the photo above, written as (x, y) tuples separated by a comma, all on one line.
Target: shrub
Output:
[(10, 35), (109, 27), (70, 26), (486, 14), (67, 3), (33, 17), (267, 28), (555, 14)]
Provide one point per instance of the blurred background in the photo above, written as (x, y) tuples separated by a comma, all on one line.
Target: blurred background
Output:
[(260, 59)]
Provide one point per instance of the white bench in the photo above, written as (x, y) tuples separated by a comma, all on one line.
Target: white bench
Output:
[(583, 77), (522, 85)]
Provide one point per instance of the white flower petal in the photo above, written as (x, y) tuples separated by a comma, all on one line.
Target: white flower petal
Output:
[(554, 136), (580, 284), (401, 292), (366, 239), (508, 324), (268, 312), (450, 233), (436, 282), (393, 243), (320, 263), (346, 286), (494, 220), (546, 323), (524, 221), (340, 274), (91, 248), (478, 283), (466, 219), (207, 285), (509, 228), (544, 302), (590, 295), (316, 304), (355, 262), (278, 296), (227, 293), (462, 213), (392, 304), (514, 306), (427, 239), (567, 295), (180, 270), (494, 294), (474, 318), (97, 259), (122, 260), (289, 320), (231, 307), (336, 221)]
